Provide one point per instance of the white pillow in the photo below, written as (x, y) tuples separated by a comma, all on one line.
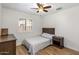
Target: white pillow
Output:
[(46, 35)]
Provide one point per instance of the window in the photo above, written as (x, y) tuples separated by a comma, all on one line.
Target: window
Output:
[(25, 25)]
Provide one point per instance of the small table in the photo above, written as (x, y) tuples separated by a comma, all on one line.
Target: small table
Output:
[(58, 41)]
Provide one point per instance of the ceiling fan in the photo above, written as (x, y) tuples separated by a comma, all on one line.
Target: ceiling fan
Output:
[(41, 7)]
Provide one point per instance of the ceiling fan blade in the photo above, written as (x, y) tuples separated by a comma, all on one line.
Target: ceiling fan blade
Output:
[(38, 4), (34, 8), (47, 7), (37, 11), (45, 10)]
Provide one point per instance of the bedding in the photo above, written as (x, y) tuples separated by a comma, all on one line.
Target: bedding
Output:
[(46, 35), (34, 44)]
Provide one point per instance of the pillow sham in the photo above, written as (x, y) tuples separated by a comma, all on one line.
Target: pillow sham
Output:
[(48, 36)]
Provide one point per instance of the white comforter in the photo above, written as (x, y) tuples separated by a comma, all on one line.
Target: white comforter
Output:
[(36, 43)]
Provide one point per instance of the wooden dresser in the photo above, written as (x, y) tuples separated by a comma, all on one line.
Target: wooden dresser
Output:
[(7, 45)]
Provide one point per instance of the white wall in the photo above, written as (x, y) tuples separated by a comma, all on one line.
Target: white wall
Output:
[(10, 20), (0, 14), (66, 24)]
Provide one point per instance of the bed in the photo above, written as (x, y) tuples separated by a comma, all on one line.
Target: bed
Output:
[(37, 43)]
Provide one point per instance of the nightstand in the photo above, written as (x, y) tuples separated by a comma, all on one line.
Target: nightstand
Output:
[(58, 41)]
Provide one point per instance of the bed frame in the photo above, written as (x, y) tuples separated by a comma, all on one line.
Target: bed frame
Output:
[(48, 30), (45, 44)]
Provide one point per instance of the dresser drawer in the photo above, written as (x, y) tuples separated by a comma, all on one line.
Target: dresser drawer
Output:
[(8, 47)]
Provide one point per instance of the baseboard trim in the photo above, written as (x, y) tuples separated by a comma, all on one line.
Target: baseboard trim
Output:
[(17, 44), (72, 48)]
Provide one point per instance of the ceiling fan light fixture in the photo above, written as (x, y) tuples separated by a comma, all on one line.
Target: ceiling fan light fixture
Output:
[(40, 10), (42, 7)]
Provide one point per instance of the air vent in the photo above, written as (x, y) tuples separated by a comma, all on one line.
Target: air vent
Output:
[(59, 8)]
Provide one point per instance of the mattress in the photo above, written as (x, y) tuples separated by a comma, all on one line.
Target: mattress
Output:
[(34, 44)]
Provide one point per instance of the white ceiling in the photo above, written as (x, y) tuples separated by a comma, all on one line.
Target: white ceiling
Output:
[(26, 7)]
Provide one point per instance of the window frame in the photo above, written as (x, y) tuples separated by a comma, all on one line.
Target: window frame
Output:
[(25, 26)]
